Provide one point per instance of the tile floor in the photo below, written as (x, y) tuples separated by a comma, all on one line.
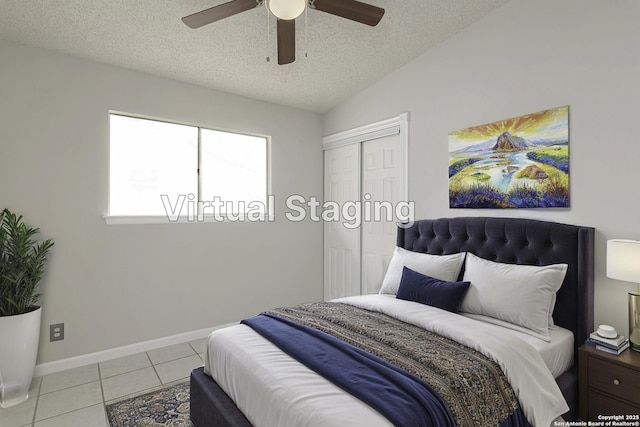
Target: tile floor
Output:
[(77, 397)]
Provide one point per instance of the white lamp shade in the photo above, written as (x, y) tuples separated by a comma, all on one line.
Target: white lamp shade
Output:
[(623, 260), (287, 9)]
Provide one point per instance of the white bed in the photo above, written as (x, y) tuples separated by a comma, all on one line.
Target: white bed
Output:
[(272, 389), (517, 269)]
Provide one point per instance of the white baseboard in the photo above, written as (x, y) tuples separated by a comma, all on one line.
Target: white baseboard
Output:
[(127, 350)]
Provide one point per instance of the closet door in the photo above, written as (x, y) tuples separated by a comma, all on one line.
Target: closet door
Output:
[(367, 165), (382, 190), (341, 244)]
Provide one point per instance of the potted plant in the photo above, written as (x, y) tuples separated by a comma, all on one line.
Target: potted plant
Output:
[(22, 265)]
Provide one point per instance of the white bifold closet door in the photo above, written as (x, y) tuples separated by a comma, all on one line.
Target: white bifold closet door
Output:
[(341, 244), (367, 165), (382, 188)]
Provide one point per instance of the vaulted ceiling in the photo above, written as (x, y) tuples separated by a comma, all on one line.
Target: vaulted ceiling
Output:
[(336, 58)]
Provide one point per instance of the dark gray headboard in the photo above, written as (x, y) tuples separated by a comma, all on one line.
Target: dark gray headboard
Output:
[(519, 241)]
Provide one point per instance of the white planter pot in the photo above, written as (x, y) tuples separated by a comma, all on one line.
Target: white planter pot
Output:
[(19, 338)]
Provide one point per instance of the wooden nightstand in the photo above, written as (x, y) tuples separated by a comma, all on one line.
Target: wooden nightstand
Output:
[(609, 384)]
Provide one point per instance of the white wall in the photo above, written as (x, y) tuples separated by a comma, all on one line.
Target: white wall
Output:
[(525, 57), (116, 285)]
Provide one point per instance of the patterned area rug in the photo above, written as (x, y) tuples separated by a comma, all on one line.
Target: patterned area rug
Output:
[(165, 407)]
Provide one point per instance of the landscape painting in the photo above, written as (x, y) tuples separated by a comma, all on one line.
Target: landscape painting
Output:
[(521, 162)]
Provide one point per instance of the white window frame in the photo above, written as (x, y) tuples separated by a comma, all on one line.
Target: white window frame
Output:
[(269, 215)]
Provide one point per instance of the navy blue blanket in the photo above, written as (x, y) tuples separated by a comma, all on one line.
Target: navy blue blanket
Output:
[(402, 398)]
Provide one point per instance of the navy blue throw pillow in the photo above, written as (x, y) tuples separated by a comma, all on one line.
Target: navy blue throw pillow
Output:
[(417, 287)]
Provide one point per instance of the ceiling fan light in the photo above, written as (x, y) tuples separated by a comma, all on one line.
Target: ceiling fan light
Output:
[(287, 9)]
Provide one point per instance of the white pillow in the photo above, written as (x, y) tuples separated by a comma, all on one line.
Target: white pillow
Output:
[(442, 267), (522, 295)]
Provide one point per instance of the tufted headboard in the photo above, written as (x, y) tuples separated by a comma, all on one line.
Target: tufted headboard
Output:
[(519, 241)]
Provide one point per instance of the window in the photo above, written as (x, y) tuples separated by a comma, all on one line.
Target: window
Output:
[(186, 173)]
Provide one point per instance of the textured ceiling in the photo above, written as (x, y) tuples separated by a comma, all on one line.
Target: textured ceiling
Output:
[(336, 58)]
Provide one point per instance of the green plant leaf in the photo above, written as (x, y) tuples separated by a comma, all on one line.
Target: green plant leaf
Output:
[(22, 264)]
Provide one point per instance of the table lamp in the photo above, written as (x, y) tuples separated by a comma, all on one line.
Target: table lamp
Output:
[(623, 263)]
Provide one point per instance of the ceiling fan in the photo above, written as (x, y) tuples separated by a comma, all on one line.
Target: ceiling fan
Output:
[(286, 11)]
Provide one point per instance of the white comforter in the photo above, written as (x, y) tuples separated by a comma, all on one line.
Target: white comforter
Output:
[(274, 390)]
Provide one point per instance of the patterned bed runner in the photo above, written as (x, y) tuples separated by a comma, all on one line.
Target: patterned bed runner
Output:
[(473, 386)]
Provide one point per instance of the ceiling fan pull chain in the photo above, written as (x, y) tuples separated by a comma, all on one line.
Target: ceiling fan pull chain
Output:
[(306, 32), (268, 39)]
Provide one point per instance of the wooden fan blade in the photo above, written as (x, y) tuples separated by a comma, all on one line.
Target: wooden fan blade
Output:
[(219, 12), (351, 9), (286, 41)]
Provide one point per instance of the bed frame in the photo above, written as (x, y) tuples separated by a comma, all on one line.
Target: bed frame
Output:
[(506, 240)]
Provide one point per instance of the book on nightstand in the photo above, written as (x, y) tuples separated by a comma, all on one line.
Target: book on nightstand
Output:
[(610, 345)]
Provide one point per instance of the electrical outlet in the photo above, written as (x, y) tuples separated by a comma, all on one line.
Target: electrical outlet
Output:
[(56, 332)]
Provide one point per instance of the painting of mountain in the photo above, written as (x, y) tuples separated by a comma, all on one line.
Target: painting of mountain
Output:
[(522, 162)]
